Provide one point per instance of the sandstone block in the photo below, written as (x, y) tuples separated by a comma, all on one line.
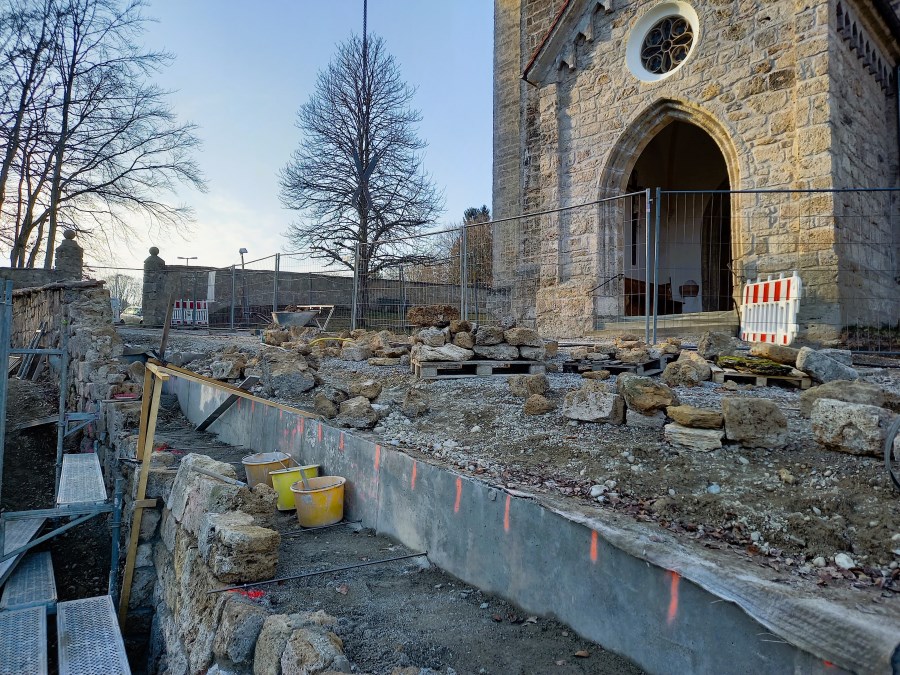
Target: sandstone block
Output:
[(228, 368), (415, 403), (235, 641), (702, 440), (715, 344), (822, 367), (645, 394), (432, 315), (854, 428), (187, 480), (500, 352), (842, 390), (551, 348), (704, 372), (681, 374), (356, 351), (777, 353), (433, 337), (236, 550), (460, 326), (754, 422), (324, 406), (590, 404), (523, 337), (445, 353), (538, 405), (655, 420), (488, 335), (595, 374), (464, 339), (368, 388), (358, 413), (844, 356), (696, 418), (527, 385), (532, 353), (313, 650), (633, 355)]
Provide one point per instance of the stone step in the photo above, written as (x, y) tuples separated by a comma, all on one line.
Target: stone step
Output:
[(32, 584), (89, 640), (81, 481), (18, 533), (23, 641)]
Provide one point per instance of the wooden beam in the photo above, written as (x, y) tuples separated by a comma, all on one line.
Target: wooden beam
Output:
[(149, 412), (226, 404), (231, 388)]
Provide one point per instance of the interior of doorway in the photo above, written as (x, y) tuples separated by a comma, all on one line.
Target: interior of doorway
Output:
[(694, 272)]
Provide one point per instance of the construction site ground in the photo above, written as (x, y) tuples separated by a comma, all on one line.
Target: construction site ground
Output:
[(400, 614), (791, 510)]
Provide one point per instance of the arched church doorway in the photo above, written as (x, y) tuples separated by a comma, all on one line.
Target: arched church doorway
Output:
[(694, 248)]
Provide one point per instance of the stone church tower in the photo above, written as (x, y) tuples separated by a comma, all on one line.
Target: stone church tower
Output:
[(714, 99)]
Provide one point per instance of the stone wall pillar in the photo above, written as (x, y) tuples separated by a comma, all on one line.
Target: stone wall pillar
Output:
[(69, 258), (154, 296)]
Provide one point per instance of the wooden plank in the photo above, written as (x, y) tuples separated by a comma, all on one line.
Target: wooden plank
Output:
[(194, 377), (149, 411), (226, 404), (52, 419)]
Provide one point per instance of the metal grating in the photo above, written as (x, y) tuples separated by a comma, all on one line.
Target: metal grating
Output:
[(89, 639), (18, 533), (81, 481), (32, 583), (23, 641)]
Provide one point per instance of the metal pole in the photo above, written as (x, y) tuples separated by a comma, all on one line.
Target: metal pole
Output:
[(244, 305), (233, 286), (275, 285), (463, 275), (63, 394), (353, 304), (656, 260), (115, 529), (5, 336), (646, 265)]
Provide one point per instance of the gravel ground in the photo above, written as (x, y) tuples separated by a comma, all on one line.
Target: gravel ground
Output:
[(731, 498)]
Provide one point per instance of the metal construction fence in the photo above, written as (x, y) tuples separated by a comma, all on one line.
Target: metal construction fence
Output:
[(649, 263)]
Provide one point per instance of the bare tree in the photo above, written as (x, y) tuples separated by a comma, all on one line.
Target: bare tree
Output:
[(90, 141), (357, 177)]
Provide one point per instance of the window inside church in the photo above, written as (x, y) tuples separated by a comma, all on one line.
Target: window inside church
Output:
[(667, 45)]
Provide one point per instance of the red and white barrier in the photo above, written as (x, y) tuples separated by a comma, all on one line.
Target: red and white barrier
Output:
[(769, 310), (190, 313)]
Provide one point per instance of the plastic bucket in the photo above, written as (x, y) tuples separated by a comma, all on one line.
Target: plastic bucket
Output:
[(322, 504), (259, 465), (284, 478)]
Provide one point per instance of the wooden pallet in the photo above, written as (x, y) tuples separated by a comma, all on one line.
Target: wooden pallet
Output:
[(651, 367), (798, 379), (449, 370)]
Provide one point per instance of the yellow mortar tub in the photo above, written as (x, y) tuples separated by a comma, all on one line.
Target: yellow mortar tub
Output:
[(284, 478), (259, 465), (322, 504)]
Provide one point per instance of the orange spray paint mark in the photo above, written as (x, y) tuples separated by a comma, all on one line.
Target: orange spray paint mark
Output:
[(320, 432), (506, 514), (377, 457), (458, 495), (594, 544), (828, 664), (673, 596), (412, 481), (252, 406), (341, 442), (301, 424)]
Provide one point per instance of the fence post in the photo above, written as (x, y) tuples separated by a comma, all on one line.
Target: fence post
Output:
[(275, 283), (649, 201), (656, 261), (463, 274), (353, 305), (233, 284)]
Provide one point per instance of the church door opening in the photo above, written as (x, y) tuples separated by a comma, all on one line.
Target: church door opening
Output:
[(694, 259)]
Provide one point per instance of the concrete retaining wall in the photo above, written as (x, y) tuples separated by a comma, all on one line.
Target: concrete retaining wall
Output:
[(635, 590)]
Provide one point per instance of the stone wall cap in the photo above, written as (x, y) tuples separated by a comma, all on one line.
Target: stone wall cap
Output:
[(59, 285)]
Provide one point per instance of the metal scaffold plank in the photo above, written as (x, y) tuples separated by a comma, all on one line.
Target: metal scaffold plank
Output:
[(23, 641), (81, 481), (18, 533), (32, 584), (89, 639)]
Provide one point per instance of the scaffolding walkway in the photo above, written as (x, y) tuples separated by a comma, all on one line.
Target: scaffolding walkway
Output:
[(88, 636)]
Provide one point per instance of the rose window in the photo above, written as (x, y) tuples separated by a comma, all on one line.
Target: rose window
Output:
[(667, 45)]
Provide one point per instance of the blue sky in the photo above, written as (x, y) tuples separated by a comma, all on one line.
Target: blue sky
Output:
[(243, 69)]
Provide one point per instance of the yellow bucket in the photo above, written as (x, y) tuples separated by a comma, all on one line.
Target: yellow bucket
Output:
[(322, 504), (259, 465), (284, 478)]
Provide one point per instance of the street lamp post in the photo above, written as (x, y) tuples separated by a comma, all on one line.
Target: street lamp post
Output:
[(244, 305)]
